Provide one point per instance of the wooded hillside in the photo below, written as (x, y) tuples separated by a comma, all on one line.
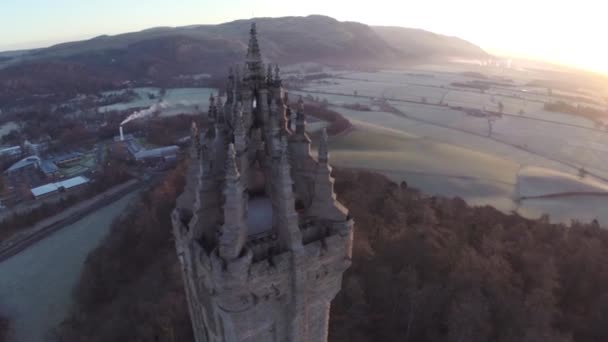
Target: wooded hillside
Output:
[(424, 269)]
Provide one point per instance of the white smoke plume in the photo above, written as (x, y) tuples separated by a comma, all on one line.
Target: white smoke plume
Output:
[(156, 108)]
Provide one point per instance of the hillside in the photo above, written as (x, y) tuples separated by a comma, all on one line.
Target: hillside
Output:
[(163, 53), (424, 269), (427, 44)]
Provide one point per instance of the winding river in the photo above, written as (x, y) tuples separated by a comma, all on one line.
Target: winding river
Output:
[(36, 284)]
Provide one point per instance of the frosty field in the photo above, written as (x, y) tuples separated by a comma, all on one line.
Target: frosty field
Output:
[(441, 149)]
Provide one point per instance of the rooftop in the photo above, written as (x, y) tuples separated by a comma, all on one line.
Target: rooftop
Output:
[(53, 187), (25, 162), (48, 167), (67, 156), (157, 152), (4, 151)]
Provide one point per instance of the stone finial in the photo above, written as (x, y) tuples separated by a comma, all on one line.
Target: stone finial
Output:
[(219, 112), (194, 133), (253, 49), (273, 108), (240, 133), (211, 112), (193, 129), (235, 113), (232, 171), (205, 162), (237, 75), (284, 151), (269, 73), (323, 154), (230, 86), (195, 139), (277, 72), (300, 118)]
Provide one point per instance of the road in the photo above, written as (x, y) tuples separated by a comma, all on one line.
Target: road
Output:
[(44, 228)]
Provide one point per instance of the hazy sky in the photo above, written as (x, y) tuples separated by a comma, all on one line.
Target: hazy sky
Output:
[(562, 31)]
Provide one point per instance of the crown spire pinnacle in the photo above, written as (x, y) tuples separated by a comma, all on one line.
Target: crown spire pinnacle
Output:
[(253, 50), (323, 150), (277, 72), (269, 73), (232, 171)]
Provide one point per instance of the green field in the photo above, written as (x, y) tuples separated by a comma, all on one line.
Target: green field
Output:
[(85, 164), (434, 168)]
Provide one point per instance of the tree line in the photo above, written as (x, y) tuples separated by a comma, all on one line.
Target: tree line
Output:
[(425, 269)]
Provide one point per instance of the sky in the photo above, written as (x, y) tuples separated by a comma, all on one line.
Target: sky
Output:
[(558, 31)]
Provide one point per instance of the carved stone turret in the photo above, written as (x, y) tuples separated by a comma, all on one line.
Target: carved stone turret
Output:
[(287, 218), (324, 203), (230, 87), (212, 113), (264, 243), (233, 233)]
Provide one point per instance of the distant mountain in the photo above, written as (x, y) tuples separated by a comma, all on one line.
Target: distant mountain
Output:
[(423, 44), (163, 53)]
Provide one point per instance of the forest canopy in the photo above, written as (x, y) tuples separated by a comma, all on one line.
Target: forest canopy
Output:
[(424, 269)]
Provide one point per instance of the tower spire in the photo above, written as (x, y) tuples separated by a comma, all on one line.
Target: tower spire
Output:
[(269, 74), (233, 234), (219, 110), (323, 155), (249, 278), (300, 118), (195, 140), (240, 133), (212, 112), (253, 50), (230, 86), (277, 73), (289, 231), (232, 171)]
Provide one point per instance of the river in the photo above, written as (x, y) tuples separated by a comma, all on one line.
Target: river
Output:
[(36, 284)]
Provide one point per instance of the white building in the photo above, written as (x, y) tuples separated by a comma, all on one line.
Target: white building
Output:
[(50, 189)]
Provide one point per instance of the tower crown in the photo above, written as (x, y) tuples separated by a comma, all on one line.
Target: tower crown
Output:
[(266, 245)]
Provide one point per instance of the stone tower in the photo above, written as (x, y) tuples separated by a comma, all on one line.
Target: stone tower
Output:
[(265, 243)]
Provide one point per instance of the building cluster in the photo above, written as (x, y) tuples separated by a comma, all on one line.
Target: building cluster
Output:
[(127, 147), (264, 246), (32, 172)]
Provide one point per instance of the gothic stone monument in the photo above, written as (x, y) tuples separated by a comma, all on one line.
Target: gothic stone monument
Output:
[(260, 236)]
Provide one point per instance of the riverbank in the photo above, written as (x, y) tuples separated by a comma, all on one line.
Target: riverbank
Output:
[(36, 284), (44, 228)]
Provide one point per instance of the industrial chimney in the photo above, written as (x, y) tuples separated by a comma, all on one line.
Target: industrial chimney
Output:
[(122, 136)]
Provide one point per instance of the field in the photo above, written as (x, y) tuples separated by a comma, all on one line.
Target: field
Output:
[(8, 127), (452, 140), (85, 164), (477, 177)]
